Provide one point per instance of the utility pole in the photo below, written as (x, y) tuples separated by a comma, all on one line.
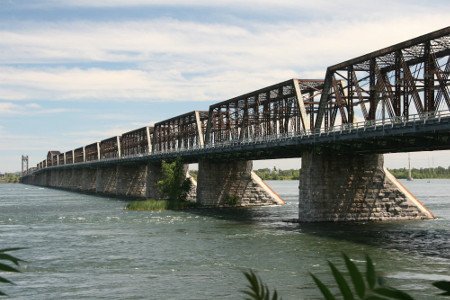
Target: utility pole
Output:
[(24, 164)]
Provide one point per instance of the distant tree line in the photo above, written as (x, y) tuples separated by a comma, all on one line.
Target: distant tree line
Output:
[(423, 173), (402, 173), (267, 174), (9, 178), (278, 174)]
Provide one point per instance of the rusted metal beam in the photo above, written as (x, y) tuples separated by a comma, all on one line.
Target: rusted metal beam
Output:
[(274, 110), (185, 131), (137, 142), (406, 44), (78, 155), (92, 151), (110, 148)]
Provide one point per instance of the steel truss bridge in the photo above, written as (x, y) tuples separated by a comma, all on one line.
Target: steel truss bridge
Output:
[(396, 99)]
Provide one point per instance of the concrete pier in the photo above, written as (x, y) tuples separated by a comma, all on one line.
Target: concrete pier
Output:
[(232, 183), (131, 181), (339, 187)]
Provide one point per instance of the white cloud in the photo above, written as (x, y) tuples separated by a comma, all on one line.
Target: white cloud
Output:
[(249, 45), (166, 59), (8, 108)]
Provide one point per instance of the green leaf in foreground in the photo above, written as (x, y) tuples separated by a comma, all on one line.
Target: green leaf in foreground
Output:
[(256, 290), (370, 272), (323, 288), (4, 267), (342, 283), (443, 285), (356, 276), (369, 288), (392, 293)]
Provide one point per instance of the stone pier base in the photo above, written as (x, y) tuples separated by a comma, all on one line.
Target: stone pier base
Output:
[(88, 180), (353, 188), (131, 180), (106, 180), (154, 174), (232, 184)]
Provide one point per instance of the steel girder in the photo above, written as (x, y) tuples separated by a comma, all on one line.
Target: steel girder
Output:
[(62, 159), (284, 108), (181, 132), (92, 151), (137, 141), (78, 155), (394, 82), (110, 148)]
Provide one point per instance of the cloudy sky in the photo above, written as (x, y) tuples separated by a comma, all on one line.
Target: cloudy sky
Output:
[(77, 71)]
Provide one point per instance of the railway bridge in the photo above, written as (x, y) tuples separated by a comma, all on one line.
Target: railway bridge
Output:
[(395, 99)]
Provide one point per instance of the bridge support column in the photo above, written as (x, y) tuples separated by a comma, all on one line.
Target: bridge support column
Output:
[(89, 180), (336, 187), (77, 178), (232, 183), (106, 180), (53, 182), (131, 180), (66, 177), (154, 174), (48, 178)]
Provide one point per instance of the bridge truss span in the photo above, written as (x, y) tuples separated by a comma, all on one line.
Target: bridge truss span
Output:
[(285, 108), (185, 131), (394, 99), (409, 78)]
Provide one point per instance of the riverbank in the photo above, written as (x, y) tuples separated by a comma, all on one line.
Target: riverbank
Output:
[(158, 205), (9, 178)]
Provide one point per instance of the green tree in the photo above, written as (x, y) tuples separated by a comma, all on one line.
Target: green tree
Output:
[(174, 185)]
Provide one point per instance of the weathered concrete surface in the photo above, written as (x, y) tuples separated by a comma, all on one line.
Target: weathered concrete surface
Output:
[(232, 183), (131, 181), (66, 178), (77, 180), (106, 180), (154, 174), (89, 180), (353, 188)]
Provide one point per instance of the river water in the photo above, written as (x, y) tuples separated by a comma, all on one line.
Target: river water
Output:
[(86, 247)]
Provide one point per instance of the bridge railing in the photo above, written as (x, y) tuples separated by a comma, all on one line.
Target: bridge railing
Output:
[(304, 134)]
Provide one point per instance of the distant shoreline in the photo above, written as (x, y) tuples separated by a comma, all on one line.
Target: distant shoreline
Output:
[(10, 178), (423, 173), (402, 173)]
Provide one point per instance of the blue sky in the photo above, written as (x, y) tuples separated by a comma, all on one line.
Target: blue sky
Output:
[(75, 72)]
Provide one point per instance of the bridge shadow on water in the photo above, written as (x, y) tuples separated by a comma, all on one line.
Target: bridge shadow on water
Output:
[(417, 236), (406, 236)]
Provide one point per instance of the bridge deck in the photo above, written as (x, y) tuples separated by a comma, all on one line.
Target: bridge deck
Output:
[(416, 134)]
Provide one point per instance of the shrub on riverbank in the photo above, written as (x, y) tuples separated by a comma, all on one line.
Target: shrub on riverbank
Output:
[(174, 186), (158, 205), (9, 178)]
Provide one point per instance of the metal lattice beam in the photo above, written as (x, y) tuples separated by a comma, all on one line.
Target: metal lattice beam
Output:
[(401, 80), (181, 132), (284, 108)]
